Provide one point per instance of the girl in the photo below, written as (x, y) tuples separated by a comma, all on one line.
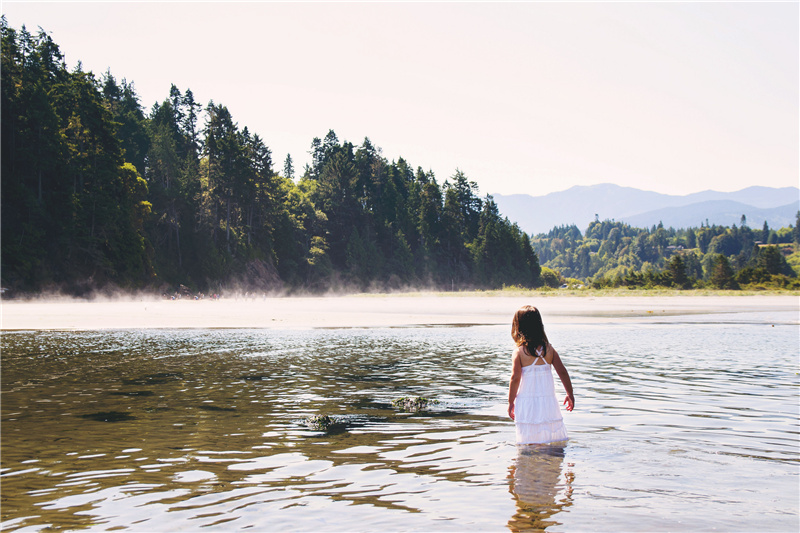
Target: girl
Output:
[(532, 403)]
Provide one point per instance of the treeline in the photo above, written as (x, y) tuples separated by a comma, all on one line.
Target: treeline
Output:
[(614, 254), (98, 193)]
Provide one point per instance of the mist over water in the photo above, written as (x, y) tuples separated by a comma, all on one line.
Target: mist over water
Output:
[(684, 424)]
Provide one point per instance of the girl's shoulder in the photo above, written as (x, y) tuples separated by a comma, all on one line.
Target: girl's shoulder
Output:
[(551, 354), (521, 351), (520, 354)]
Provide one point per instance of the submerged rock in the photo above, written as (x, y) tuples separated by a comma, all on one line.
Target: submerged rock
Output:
[(157, 409), (215, 408), (413, 404), (109, 416), (321, 422), (154, 379)]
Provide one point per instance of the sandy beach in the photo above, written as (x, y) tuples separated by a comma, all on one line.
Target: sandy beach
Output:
[(369, 311)]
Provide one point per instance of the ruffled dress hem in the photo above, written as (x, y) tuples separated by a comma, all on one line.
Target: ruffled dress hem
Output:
[(541, 433)]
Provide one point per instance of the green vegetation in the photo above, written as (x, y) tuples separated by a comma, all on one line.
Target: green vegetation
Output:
[(99, 195), (413, 404), (614, 254)]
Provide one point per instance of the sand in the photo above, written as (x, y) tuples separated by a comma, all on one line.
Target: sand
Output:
[(374, 311)]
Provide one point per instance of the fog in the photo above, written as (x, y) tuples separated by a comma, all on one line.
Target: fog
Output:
[(370, 310)]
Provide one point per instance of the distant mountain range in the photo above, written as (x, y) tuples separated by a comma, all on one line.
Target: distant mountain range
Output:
[(579, 205)]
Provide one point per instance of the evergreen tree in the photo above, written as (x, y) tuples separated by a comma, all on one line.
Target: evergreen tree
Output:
[(772, 261), (455, 257), (430, 204), (722, 274), (796, 230), (131, 124), (288, 167), (677, 270)]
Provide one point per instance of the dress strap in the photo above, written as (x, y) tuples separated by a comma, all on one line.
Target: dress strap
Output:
[(541, 352)]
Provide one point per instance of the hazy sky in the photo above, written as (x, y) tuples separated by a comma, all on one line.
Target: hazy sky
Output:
[(523, 97)]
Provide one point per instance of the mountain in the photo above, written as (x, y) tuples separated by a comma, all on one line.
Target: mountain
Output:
[(721, 212), (579, 205), (756, 196)]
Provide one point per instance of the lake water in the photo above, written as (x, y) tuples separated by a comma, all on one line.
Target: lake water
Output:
[(681, 423)]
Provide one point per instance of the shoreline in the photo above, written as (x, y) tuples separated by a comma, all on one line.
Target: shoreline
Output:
[(377, 310)]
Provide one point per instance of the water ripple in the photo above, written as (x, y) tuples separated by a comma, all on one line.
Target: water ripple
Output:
[(685, 425)]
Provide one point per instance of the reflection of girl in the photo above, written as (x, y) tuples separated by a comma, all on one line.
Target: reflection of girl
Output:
[(532, 400), (534, 481)]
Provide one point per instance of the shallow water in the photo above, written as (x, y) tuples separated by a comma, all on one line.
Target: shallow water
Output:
[(680, 424)]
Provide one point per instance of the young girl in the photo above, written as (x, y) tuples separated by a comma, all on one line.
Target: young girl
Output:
[(532, 403)]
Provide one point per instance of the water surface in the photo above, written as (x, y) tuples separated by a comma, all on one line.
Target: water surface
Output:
[(681, 423)]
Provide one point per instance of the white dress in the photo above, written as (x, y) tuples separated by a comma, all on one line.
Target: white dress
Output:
[(537, 415)]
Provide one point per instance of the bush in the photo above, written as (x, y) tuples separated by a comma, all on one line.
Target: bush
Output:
[(551, 278)]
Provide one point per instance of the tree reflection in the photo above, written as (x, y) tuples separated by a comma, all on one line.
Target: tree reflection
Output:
[(539, 490)]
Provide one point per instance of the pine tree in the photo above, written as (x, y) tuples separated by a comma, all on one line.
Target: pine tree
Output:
[(288, 167), (722, 274), (677, 270), (796, 230)]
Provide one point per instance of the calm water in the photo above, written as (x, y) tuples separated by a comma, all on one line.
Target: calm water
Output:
[(679, 425)]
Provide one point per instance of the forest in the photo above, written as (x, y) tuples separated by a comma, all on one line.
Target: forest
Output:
[(614, 254), (100, 194)]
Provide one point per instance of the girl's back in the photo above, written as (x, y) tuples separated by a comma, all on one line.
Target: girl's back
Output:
[(537, 377)]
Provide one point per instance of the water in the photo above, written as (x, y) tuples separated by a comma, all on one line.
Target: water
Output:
[(680, 424)]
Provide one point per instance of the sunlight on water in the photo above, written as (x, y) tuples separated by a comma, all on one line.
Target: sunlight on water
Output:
[(682, 425)]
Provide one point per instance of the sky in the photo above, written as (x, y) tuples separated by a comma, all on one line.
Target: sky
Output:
[(523, 97)]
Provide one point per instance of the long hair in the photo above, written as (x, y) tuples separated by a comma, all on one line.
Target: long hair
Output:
[(527, 328)]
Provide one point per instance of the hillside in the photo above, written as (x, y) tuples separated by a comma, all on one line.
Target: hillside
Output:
[(580, 205)]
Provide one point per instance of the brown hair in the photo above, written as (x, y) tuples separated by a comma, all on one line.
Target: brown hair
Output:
[(527, 328)]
